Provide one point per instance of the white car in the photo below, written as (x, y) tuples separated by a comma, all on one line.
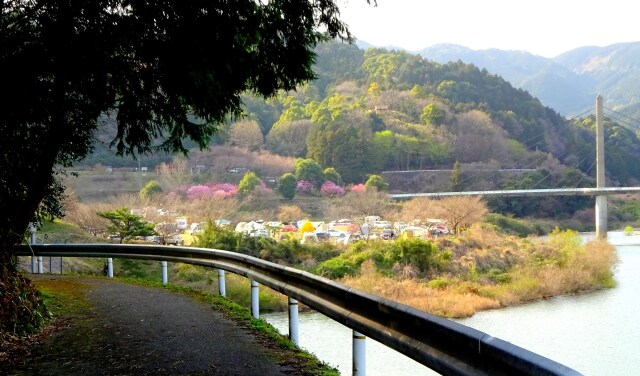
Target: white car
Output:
[(381, 224), (336, 234)]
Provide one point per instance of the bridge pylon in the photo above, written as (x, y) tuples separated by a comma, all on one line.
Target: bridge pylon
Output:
[(601, 200)]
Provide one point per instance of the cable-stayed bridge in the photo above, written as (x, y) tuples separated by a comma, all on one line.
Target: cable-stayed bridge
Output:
[(605, 191)]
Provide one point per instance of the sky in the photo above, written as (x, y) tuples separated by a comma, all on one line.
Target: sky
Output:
[(542, 27)]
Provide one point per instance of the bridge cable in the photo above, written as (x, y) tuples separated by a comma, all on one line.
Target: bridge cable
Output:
[(624, 124), (580, 115), (473, 176), (625, 116)]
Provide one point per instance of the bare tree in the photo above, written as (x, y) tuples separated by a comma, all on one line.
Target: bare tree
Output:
[(460, 211), (420, 208), (212, 208), (289, 138), (478, 139), (176, 174), (366, 203), (246, 134), (166, 230), (85, 217), (290, 213)]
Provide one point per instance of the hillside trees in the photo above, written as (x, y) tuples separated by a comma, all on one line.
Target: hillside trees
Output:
[(432, 114), (168, 71), (289, 138)]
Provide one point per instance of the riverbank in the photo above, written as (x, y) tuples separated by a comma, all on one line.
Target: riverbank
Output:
[(452, 276), (487, 270)]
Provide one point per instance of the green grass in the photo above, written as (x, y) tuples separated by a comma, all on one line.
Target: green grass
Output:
[(60, 231)]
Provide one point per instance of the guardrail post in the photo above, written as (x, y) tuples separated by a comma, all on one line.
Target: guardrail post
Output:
[(293, 321), (32, 240), (109, 267), (165, 275), (255, 299), (222, 289), (359, 354), (40, 266)]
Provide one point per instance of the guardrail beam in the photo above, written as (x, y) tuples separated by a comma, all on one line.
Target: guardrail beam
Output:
[(445, 346)]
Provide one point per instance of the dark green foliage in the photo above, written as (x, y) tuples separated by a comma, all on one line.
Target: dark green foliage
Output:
[(456, 177), (126, 225), (512, 225), (421, 254), (288, 251), (287, 186), (22, 310), (165, 71), (344, 143), (626, 211), (309, 170), (545, 206)]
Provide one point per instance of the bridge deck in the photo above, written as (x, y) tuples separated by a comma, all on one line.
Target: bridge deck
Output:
[(527, 192)]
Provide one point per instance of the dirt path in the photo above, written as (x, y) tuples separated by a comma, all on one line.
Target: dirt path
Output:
[(134, 330)]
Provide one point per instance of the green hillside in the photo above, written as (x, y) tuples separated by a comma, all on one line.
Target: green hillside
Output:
[(376, 111)]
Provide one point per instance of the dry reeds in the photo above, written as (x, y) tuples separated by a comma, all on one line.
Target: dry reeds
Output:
[(489, 271)]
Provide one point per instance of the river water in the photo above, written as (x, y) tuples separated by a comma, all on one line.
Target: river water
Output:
[(596, 333)]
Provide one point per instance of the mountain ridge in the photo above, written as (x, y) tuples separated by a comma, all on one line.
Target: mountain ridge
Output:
[(568, 82)]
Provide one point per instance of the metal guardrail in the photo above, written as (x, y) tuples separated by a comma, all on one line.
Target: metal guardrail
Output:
[(445, 346)]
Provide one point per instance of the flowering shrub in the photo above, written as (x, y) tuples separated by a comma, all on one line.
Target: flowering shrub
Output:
[(305, 186), (330, 188), (223, 189), (198, 191), (358, 188), (212, 190)]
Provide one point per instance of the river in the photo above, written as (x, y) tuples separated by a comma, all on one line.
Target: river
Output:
[(596, 333)]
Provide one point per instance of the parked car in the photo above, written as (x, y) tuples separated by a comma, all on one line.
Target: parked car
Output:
[(381, 224), (336, 234), (387, 234), (154, 239), (174, 240), (348, 239), (322, 236)]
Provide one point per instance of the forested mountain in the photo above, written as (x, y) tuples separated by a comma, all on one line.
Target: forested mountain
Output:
[(567, 83), (378, 111)]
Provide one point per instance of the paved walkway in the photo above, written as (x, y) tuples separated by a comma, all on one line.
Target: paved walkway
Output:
[(135, 330)]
